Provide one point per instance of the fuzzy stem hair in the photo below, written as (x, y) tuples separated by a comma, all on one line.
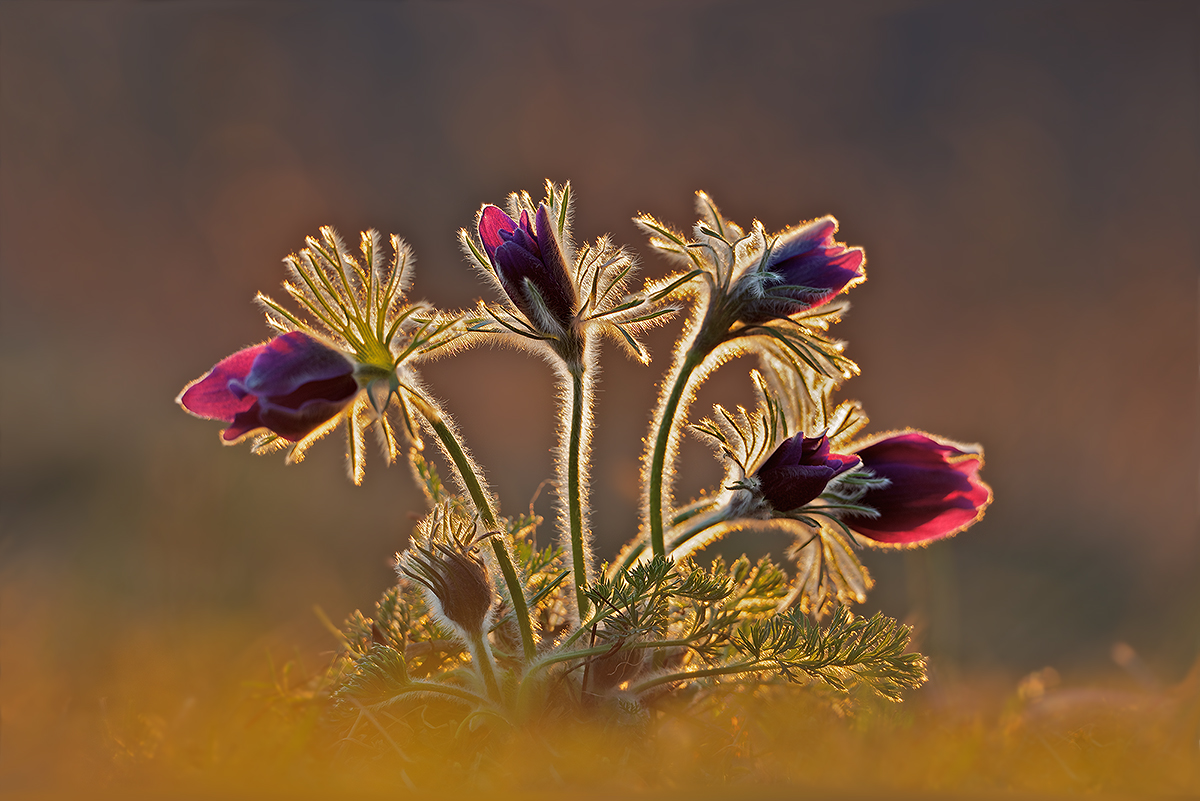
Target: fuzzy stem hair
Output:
[(708, 327), (469, 476), (578, 368)]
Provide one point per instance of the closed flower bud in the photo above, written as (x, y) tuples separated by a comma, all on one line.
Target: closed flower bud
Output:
[(799, 470), (290, 385), (456, 583), (528, 259)]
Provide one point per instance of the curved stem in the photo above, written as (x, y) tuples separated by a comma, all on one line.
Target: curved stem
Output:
[(483, 505), (705, 511), (724, 670), (517, 593), (454, 450), (466, 696), (666, 424), (665, 420), (699, 525)]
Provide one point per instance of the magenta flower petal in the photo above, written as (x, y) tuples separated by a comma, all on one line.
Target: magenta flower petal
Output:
[(491, 222), (935, 489), (799, 470), (815, 276), (290, 385), (210, 397), (521, 254)]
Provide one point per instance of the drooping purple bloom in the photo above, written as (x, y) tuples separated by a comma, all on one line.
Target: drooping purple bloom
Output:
[(290, 385), (935, 490), (809, 268), (519, 253), (798, 471)]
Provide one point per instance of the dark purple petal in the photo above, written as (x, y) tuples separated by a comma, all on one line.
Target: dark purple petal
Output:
[(558, 289), (935, 489), (799, 470), (290, 361), (295, 417), (788, 488), (210, 396), (523, 237), (519, 253), (513, 265), (809, 268)]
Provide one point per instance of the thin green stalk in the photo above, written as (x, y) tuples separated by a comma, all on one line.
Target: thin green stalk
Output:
[(575, 494), (517, 593), (725, 670), (699, 525), (483, 504), (457, 455), (701, 522), (666, 425), (465, 696)]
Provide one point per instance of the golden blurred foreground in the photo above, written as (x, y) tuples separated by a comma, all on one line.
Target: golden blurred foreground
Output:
[(184, 709)]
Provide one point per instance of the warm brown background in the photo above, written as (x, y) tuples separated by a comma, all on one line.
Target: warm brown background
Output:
[(1023, 177)]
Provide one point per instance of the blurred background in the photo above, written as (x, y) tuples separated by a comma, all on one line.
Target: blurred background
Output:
[(1023, 177)]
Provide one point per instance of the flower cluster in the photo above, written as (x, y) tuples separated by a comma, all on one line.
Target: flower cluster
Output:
[(490, 625)]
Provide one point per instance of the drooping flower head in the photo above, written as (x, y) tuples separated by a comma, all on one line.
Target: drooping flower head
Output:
[(933, 488), (774, 294), (804, 268), (343, 356), (290, 386), (830, 493)]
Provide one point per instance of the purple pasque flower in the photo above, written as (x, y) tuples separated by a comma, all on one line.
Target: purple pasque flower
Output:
[(798, 471), (934, 490), (528, 259), (805, 268), (291, 385)]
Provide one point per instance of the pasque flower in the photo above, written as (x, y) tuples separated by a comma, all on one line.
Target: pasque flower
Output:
[(933, 488), (804, 268), (556, 293), (290, 386), (798, 471), (558, 300), (831, 493), (529, 263), (344, 356)]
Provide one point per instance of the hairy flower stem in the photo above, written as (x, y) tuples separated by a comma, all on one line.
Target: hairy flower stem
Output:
[(702, 345), (483, 504), (724, 670), (575, 494), (465, 696), (481, 655)]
